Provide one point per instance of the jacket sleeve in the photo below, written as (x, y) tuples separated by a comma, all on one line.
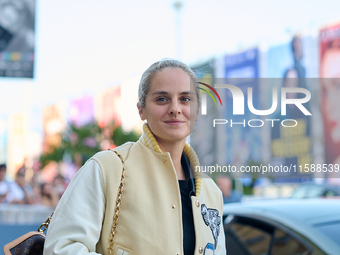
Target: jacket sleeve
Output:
[(221, 244), (77, 221)]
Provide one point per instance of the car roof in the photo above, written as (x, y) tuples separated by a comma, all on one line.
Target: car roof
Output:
[(310, 211), (300, 215)]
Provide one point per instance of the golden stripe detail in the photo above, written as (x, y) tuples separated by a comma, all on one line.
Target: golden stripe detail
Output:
[(149, 141)]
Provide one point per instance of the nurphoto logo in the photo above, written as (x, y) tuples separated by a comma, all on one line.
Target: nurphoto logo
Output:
[(239, 105)]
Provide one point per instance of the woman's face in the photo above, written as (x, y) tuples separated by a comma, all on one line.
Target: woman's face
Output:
[(331, 85), (47, 188), (332, 89), (171, 105)]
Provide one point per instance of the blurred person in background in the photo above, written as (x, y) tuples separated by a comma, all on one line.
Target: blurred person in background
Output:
[(330, 104), (59, 185), (4, 184), (36, 188), (297, 51), (226, 186), (49, 196), (20, 191), (281, 138)]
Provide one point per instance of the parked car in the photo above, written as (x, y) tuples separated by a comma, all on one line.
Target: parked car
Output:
[(308, 190), (283, 226)]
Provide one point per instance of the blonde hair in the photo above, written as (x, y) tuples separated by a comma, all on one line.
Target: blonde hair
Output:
[(144, 85)]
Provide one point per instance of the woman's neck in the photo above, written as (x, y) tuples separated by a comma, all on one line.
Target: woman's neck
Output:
[(175, 149)]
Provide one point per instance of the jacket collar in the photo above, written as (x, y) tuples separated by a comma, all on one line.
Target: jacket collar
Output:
[(149, 140)]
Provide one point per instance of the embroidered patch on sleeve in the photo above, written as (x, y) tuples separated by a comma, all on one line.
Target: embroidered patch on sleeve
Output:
[(213, 220)]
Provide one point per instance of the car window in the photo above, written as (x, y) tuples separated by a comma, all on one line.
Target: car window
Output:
[(300, 192), (245, 237), (329, 193), (315, 191), (248, 236), (309, 191), (284, 243)]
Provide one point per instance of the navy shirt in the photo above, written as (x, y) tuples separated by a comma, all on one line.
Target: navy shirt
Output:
[(187, 188)]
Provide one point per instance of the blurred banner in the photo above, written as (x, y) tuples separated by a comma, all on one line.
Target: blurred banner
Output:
[(243, 143), (330, 91), (290, 146), (130, 119), (17, 35), (107, 107), (203, 139), (82, 111), (34, 138), (54, 123), (302, 55), (21, 140), (3, 140), (17, 129)]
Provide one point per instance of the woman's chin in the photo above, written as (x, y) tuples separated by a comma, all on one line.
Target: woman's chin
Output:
[(174, 135)]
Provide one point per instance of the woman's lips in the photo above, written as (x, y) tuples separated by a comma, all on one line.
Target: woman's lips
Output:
[(174, 122)]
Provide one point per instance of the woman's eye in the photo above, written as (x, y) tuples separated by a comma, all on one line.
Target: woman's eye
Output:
[(161, 99), (186, 99)]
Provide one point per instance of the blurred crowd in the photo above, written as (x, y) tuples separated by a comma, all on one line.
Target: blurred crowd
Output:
[(35, 191)]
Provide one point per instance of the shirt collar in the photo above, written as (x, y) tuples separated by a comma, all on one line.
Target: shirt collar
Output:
[(149, 140)]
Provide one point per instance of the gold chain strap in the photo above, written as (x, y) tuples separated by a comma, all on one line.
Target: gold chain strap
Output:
[(117, 209), (44, 226)]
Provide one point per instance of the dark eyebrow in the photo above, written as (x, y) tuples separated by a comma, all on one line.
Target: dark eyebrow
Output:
[(187, 92), (166, 93), (159, 93)]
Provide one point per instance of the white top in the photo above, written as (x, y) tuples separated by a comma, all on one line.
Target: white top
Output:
[(15, 193), (4, 187)]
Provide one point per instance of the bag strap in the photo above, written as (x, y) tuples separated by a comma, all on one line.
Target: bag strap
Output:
[(44, 226), (118, 203)]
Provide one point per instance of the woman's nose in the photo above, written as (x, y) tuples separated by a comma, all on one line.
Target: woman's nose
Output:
[(175, 108)]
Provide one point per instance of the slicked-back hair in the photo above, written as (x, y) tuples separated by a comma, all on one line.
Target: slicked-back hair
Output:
[(144, 85)]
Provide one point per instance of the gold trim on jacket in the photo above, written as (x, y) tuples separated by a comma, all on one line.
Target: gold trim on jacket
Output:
[(149, 140)]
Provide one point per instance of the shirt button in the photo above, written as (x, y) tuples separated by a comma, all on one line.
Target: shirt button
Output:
[(197, 203), (177, 253), (173, 206), (164, 160), (200, 249)]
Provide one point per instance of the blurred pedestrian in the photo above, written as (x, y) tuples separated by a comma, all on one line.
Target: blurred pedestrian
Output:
[(49, 196), (330, 107), (36, 187), (59, 185), (20, 192), (226, 186), (4, 184)]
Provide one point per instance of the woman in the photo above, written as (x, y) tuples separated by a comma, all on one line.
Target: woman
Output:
[(49, 196), (330, 105), (163, 210)]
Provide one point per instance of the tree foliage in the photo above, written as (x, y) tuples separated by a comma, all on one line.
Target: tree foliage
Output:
[(85, 141)]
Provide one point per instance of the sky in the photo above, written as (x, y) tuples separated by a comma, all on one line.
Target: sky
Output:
[(84, 46)]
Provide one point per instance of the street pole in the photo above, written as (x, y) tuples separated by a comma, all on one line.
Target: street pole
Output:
[(178, 6)]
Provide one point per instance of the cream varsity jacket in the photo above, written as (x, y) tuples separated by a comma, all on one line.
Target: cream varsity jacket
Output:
[(150, 220)]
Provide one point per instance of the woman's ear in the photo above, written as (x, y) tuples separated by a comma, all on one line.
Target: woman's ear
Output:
[(141, 112)]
